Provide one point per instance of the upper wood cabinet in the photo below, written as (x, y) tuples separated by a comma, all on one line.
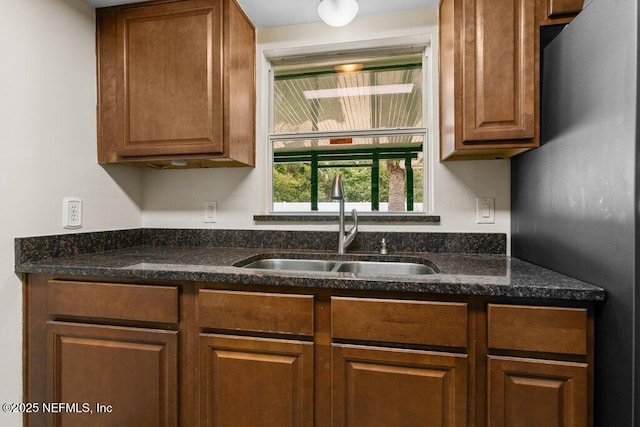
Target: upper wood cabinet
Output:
[(488, 78), (490, 74), (176, 81)]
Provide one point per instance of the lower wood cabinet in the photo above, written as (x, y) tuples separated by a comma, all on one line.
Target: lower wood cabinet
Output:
[(116, 376), (533, 393), (375, 386), (539, 366), (209, 354), (247, 382)]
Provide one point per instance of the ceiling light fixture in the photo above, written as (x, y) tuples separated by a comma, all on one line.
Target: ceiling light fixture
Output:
[(338, 13), (348, 68), (343, 92)]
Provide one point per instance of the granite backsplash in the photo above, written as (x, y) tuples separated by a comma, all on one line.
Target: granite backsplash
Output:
[(28, 249)]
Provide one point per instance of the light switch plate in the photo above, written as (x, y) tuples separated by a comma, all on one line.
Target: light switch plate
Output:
[(210, 211), (485, 210)]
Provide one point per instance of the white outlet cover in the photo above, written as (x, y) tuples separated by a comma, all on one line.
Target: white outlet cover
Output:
[(72, 212)]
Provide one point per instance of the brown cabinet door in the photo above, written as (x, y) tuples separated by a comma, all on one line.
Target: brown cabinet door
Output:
[(169, 62), (534, 393), (131, 372), (498, 85), (385, 387), (252, 382)]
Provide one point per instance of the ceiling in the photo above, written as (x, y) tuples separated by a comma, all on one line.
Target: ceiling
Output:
[(275, 13)]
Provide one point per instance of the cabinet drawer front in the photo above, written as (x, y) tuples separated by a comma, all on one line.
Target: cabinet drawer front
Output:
[(113, 301), (564, 7), (412, 322), (539, 329), (256, 311)]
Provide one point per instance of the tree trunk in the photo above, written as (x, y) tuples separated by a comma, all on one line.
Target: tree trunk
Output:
[(397, 192)]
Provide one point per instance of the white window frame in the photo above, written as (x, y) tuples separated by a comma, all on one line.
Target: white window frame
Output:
[(422, 42)]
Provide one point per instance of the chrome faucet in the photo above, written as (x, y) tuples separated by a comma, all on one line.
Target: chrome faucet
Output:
[(337, 193)]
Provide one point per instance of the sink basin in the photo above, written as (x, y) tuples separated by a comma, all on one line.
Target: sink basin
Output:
[(382, 268), (292, 264), (355, 267)]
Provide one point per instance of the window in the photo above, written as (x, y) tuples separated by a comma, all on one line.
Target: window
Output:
[(361, 116)]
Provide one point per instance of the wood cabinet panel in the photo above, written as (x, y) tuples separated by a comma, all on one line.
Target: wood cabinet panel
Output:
[(400, 321), (256, 382), (169, 78), (176, 81), (488, 78), (532, 393), (113, 301), (499, 75), (256, 311), (132, 370), (373, 387), (538, 329)]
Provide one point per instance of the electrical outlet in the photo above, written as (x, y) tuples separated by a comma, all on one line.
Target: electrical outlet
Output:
[(210, 211), (71, 212)]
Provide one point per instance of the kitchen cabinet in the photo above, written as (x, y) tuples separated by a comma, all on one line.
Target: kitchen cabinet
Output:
[(256, 381), (176, 84), (488, 78), (125, 376), (252, 380), (538, 366), (530, 392), (490, 74), (108, 348), (213, 354), (375, 384)]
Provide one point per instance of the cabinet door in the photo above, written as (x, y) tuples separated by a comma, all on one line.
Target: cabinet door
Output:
[(169, 78), (533, 393), (252, 382), (131, 372), (499, 70), (392, 387)]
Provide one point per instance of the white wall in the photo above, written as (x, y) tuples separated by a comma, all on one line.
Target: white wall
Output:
[(48, 146), (175, 198)]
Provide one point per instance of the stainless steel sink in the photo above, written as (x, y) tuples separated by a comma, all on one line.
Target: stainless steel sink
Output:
[(292, 264), (355, 267), (383, 268)]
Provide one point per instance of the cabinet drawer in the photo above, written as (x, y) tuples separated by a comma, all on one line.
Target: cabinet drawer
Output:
[(411, 322), (539, 329), (564, 7), (256, 311), (113, 301)]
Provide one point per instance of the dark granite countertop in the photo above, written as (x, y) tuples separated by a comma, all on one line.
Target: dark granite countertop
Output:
[(486, 274)]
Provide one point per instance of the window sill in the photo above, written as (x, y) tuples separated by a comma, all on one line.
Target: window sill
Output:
[(362, 217)]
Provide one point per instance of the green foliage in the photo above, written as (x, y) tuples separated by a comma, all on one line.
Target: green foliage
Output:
[(292, 183), (356, 182)]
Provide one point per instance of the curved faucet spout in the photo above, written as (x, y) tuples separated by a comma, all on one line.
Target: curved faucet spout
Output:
[(337, 193), (351, 234)]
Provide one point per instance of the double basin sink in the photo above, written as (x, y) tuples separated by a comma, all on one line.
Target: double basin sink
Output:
[(360, 267)]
